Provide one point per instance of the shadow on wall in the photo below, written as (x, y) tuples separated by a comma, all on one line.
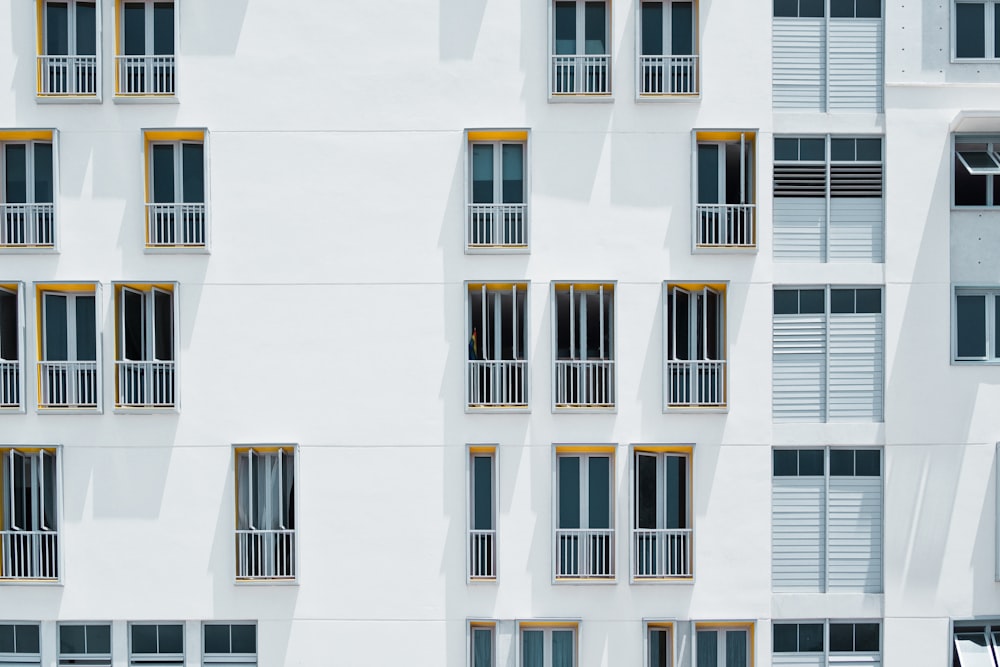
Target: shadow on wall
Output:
[(212, 28), (458, 32)]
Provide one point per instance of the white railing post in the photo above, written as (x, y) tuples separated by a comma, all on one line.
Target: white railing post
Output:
[(497, 383), (726, 225), (265, 554), (581, 74), (29, 554), (482, 554), (583, 552), (660, 553), (585, 383), (27, 224), (10, 384)]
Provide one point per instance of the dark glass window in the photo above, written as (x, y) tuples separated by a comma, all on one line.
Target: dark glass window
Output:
[(970, 30)]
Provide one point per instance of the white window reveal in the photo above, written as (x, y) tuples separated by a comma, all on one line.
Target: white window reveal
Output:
[(20, 644), (584, 365), (68, 64), (668, 59), (828, 201), (482, 513), (29, 534), (581, 55), (497, 368), (85, 644), (145, 363), (725, 214), (27, 202), (661, 532), (68, 372), (265, 531), (696, 369), (10, 347), (585, 534)]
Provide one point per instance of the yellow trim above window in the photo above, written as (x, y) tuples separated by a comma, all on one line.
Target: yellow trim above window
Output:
[(497, 135), (726, 136), (483, 624), (28, 450), (265, 449), (692, 287), (10, 287), (174, 135), (585, 449), (749, 627), (498, 286), (549, 624), (564, 287), (676, 449), (145, 287), (26, 135), (482, 449)]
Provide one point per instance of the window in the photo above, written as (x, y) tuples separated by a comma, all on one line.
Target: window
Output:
[(230, 643), (581, 52), (29, 534), (828, 204), (827, 354), (19, 644), (977, 324), (723, 645), (828, 55), (85, 645), (11, 335), (976, 30), (659, 644), (156, 644), (849, 643), (68, 63), (145, 366), (661, 531), (497, 204), (482, 644), (27, 205), (497, 374), (175, 189), (585, 534), (826, 527), (145, 48), (695, 325), (68, 369), (975, 170), (975, 644), (584, 341), (482, 512), (265, 508), (548, 644), (668, 59), (725, 214)]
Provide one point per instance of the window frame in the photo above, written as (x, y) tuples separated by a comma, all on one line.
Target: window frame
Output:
[(178, 138), (651, 625), (585, 452), (148, 290), (609, 330), (230, 657), (746, 241), (38, 504), (661, 452), (548, 627), (118, 46), (30, 138), (71, 290), (991, 314), (473, 452), (827, 651), (267, 449), (23, 657), (91, 658), (667, 45), (990, 11), (42, 48), (580, 51), (17, 290), (481, 624), (724, 627), (497, 137), (669, 340), (157, 659), (520, 322), (992, 185)]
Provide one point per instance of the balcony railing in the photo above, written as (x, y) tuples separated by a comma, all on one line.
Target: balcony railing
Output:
[(587, 75), (176, 224), (662, 553), (67, 384), (498, 225), (68, 75), (585, 383), (10, 384), (585, 553), (27, 225), (498, 383), (696, 383), (145, 384), (29, 554), (482, 554), (668, 75), (145, 75), (726, 225), (265, 554)]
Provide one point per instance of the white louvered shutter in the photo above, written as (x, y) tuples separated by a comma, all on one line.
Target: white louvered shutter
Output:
[(799, 212), (856, 212), (799, 63), (856, 363), (798, 660), (799, 368), (855, 525), (855, 659), (855, 66), (798, 533)]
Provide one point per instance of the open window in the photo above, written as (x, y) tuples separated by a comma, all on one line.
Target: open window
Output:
[(265, 504), (145, 48), (696, 369), (976, 169), (69, 372), (584, 341), (497, 375), (145, 362), (585, 533), (975, 644), (29, 533), (725, 213), (11, 337), (482, 512), (668, 55), (69, 58), (497, 218), (581, 48), (176, 193), (661, 528)]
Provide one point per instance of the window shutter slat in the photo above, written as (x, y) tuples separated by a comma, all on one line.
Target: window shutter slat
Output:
[(798, 533), (799, 70)]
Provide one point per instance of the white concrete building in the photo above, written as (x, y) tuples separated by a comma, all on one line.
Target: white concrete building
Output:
[(561, 333)]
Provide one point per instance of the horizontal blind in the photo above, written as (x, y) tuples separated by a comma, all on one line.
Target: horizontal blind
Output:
[(799, 229), (799, 63), (799, 368), (855, 525), (856, 363), (798, 533), (856, 64), (856, 229)]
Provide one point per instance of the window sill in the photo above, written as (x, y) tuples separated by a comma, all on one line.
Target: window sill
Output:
[(266, 582), (12, 410), (724, 250), (955, 60), (569, 409), (32, 582), (599, 98), (482, 580), (975, 362), (498, 409), (29, 249), (599, 581), (69, 411), (67, 99), (143, 410), (177, 250), (658, 581), (697, 409), (497, 250), (668, 97), (145, 99)]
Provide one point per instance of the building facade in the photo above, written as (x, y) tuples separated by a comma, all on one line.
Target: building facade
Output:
[(562, 333)]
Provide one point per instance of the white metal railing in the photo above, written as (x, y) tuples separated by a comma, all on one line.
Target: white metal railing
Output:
[(68, 75), (696, 383), (67, 384), (265, 554), (584, 552), (493, 225), (176, 224), (726, 225), (498, 383), (10, 384), (661, 552), (585, 383), (145, 383), (145, 75), (668, 75), (29, 554), (572, 74), (482, 554), (27, 225)]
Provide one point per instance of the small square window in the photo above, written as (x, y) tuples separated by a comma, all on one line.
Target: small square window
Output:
[(85, 644), (976, 325), (548, 644)]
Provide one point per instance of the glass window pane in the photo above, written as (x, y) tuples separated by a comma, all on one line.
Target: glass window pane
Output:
[(532, 648), (978, 159), (970, 190), (811, 463), (26, 638), (842, 301), (163, 28), (866, 637), (869, 150), (811, 301), (482, 647), (43, 173), (565, 27), (72, 639), (56, 29), (15, 173), (171, 638), (996, 34), (645, 489), (841, 636), (193, 170), (86, 329), (842, 462), (810, 8), (513, 173), (216, 639), (569, 492), (134, 29), (732, 178), (483, 500), (8, 326), (659, 648), (6, 638), (788, 8), (812, 149), (707, 648), (786, 462), (786, 149), (652, 28), (786, 302), (482, 174), (595, 28), (867, 463), (163, 173), (86, 28), (682, 29), (736, 648), (599, 487), (55, 335), (970, 30), (676, 471), (971, 325), (562, 648), (842, 8), (99, 639), (134, 338), (143, 639), (868, 300), (810, 637), (708, 174), (842, 150), (163, 320), (869, 9), (786, 638)]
